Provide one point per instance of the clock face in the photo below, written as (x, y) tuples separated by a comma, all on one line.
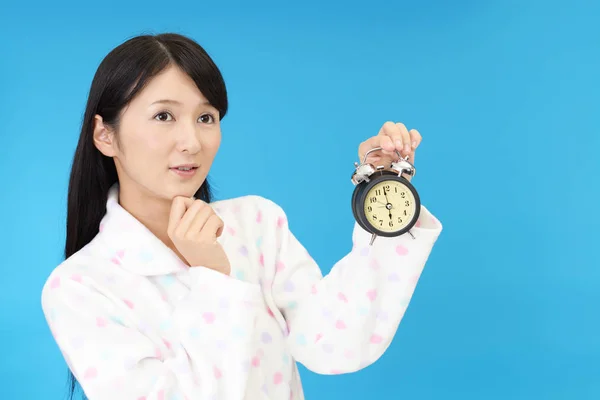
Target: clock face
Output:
[(390, 206)]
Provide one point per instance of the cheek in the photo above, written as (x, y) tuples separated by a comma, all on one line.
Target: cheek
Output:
[(211, 143), (141, 149), (151, 144)]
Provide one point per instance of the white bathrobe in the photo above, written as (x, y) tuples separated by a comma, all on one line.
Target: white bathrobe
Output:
[(133, 322)]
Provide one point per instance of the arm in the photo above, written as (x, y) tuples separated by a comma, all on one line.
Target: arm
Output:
[(346, 320), (112, 359)]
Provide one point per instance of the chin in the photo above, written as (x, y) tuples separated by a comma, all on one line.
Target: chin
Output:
[(174, 187), (182, 190), (182, 193)]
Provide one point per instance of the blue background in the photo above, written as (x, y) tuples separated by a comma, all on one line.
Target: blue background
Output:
[(504, 93)]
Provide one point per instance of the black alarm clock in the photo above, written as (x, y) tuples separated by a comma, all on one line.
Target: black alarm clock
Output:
[(384, 203)]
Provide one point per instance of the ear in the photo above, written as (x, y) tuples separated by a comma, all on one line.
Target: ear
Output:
[(104, 138)]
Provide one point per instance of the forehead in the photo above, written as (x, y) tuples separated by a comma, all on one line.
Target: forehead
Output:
[(172, 84)]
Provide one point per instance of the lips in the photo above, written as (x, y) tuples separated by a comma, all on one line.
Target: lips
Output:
[(185, 167), (185, 170)]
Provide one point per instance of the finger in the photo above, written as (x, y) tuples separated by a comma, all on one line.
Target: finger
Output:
[(388, 133), (367, 145), (212, 227), (403, 143), (186, 221), (199, 223), (380, 140), (178, 209), (415, 138)]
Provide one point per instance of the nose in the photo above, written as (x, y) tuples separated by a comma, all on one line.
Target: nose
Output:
[(188, 139)]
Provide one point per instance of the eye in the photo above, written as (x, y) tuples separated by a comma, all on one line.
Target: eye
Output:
[(207, 118), (163, 116)]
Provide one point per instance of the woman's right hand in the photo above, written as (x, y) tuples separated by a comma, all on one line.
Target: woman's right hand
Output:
[(194, 228)]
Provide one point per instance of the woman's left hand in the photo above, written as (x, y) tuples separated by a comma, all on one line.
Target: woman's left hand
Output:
[(391, 137)]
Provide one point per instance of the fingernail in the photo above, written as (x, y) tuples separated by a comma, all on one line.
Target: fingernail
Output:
[(414, 145), (407, 148), (398, 143)]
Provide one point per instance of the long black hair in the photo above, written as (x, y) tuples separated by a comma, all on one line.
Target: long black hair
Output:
[(121, 75)]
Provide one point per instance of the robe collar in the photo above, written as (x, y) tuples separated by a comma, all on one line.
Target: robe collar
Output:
[(134, 247)]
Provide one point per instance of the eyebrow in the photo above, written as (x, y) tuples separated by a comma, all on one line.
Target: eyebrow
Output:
[(169, 101)]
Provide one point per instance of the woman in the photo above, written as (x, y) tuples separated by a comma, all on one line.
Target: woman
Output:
[(164, 295)]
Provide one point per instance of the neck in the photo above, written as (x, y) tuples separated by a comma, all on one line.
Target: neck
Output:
[(153, 212)]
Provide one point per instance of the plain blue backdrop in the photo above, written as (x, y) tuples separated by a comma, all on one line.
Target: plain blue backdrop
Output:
[(505, 94)]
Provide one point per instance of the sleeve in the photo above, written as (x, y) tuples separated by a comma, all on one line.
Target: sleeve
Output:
[(345, 321), (113, 359)]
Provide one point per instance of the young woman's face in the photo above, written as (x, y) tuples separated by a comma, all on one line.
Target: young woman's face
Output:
[(167, 139)]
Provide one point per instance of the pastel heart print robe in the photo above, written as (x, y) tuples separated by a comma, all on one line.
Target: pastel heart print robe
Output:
[(133, 322)]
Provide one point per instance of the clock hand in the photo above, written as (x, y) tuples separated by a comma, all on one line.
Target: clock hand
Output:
[(388, 202)]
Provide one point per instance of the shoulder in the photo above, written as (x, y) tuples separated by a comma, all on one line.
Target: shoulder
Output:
[(249, 206), (77, 273), (252, 213)]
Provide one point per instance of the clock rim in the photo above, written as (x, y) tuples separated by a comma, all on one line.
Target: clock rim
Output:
[(357, 192), (359, 200)]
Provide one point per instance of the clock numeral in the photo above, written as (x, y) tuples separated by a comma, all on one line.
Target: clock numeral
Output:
[(391, 224), (378, 192), (399, 220), (375, 217), (403, 194), (373, 199), (387, 187), (405, 213), (369, 209), (407, 203), (380, 222)]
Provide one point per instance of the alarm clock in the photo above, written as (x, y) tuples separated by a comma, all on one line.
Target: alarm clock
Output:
[(385, 203)]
